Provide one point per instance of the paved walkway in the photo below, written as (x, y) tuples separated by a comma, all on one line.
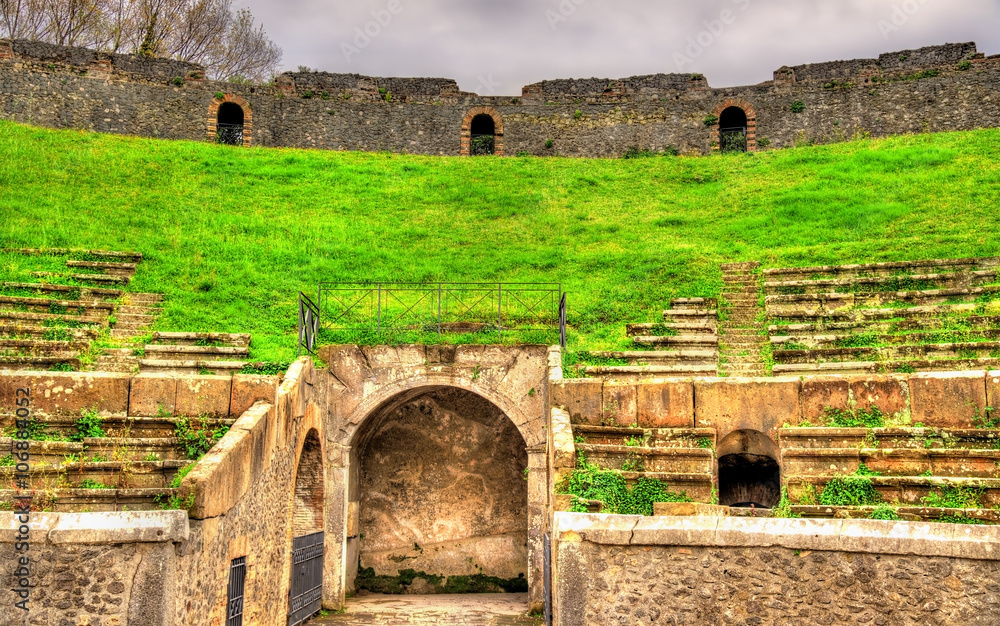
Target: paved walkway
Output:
[(486, 609)]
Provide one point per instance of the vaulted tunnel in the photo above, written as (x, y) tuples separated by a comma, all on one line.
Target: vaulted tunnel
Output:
[(749, 473)]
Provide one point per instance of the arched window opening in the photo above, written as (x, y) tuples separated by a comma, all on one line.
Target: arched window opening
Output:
[(229, 124), (306, 579), (733, 125), (749, 474), (483, 141)]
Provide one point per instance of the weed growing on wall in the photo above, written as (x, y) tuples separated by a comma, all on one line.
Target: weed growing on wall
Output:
[(784, 508), (195, 437), (872, 417), (90, 425), (955, 497), (850, 491), (884, 512), (589, 482)]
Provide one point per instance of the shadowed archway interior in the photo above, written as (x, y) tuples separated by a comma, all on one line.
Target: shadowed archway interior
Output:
[(749, 474), (439, 477)]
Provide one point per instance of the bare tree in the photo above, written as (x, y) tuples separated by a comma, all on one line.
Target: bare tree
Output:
[(247, 54), (198, 32), (20, 19), (71, 22)]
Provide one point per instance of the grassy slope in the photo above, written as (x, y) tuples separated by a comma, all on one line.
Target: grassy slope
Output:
[(230, 235)]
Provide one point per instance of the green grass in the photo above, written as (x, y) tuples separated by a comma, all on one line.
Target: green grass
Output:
[(231, 235)]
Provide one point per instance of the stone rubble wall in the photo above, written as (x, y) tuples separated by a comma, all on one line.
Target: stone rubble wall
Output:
[(78, 88), (633, 570)]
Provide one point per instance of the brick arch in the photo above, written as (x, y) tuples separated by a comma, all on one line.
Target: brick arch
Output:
[(308, 503), (213, 116), (751, 112), (497, 130)]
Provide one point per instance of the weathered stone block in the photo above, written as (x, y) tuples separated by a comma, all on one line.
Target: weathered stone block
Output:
[(581, 397), (689, 509), (66, 393), (563, 446), (204, 395), (152, 395), (248, 389), (949, 399), (746, 405), (620, 406), (890, 394), (993, 392), (665, 404), (819, 393)]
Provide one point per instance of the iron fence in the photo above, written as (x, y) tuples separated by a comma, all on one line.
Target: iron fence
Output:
[(733, 139), (231, 134), (308, 323), (385, 309)]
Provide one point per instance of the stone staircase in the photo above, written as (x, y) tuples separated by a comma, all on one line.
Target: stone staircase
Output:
[(683, 458), (53, 324), (741, 325), (196, 353), (131, 468), (885, 317), (928, 473), (685, 344)]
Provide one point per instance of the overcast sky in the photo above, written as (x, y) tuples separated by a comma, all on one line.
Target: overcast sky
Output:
[(497, 46)]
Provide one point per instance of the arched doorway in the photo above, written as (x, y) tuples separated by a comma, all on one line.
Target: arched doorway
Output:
[(306, 583), (733, 124), (483, 136), (229, 124), (439, 484), (749, 473), (482, 132)]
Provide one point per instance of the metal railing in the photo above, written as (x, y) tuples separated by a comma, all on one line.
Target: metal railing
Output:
[(387, 309), (308, 323), (733, 139), (230, 134)]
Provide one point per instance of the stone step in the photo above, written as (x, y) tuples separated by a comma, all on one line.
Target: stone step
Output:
[(680, 342), (135, 318), (737, 267), (138, 310), (906, 490), (881, 269), (47, 332), (117, 426), (42, 346), (691, 315), (876, 367), (694, 303), (145, 297), (965, 462), (905, 513), (99, 500), (902, 352), (855, 284), (892, 438), (208, 339), (38, 363), (864, 316), (136, 474), (821, 341), (649, 372), (85, 293), (974, 324), (96, 449), (782, 305), (63, 307), (196, 352), (134, 257), (15, 317), (102, 279), (652, 437), (127, 333), (669, 460), (115, 266), (682, 328), (660, 357), (177, 366)]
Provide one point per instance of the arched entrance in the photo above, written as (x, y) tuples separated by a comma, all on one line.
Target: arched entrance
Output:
[(438, 484), (306, 583), (482, 132), (749, 474), (736, 126), (733, 130), (229, 124)]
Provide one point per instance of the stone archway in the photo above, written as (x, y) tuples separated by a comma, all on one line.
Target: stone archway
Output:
[(438, 480), (749, 471), (225, 108), (474, 120), (307, 538), (728, 106)]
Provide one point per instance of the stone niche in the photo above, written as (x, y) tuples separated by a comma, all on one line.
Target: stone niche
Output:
[(441, 480)]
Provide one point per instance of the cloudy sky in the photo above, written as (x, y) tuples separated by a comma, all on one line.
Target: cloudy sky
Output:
[(497, 46)]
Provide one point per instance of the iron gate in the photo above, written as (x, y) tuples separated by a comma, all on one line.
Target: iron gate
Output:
[(547, 578), (305, 597), (308, 323), (733, 139), (237, 578)]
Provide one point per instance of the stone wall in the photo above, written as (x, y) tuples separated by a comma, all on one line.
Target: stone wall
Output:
[(937, 400), (93, 568), (78, 88), (658, 570)]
